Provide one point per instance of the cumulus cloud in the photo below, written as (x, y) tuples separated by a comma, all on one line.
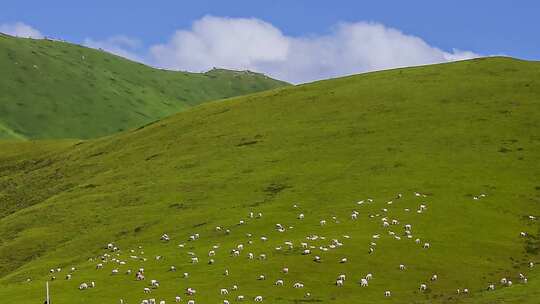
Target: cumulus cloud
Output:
[(249, 43), (120, 45), (253, 44), (20, 29)]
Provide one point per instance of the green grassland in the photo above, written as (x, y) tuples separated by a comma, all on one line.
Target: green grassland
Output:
[(52, 89), (450, 131)]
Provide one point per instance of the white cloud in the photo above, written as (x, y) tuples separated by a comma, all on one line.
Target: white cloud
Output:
[(20, 29), (119, 45), (253, 44), (242, 43)]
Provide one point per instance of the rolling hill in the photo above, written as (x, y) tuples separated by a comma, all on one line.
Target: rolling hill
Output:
[(462, 139), (51, 89)]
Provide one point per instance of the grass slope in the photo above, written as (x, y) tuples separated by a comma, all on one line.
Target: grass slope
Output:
[(52, 89), (450, 131)]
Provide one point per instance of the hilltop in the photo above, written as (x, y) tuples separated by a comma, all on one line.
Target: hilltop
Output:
[(460, 138), (52, 89)]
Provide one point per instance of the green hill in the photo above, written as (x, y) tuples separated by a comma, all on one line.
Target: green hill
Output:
[(52, 89), (451, 133)]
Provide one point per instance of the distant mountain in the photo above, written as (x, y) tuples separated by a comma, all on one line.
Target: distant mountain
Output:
[(51, 89)]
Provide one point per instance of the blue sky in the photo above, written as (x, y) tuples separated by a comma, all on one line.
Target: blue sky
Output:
[(135, 28)]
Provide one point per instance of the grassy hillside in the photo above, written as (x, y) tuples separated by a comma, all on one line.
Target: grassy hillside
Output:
[(449, 132), (51, 89)]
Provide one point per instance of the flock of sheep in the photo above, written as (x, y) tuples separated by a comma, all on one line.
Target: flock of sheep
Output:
[(114, 254)]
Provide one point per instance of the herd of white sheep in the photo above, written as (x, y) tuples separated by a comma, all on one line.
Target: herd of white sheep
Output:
[(114, 254)]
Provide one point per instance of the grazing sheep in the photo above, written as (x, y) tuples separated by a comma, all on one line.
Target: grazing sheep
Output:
[(177, 299), (339, 283), (301, 216), (240, 298), (191, 302), (258, 299), (68, 277), (323, 222), (147, 290), (426, 245), (343, 260), (369, 276), (423, 287), (387, 293), (224, 291), (491, 287), (298, 285), (402, 267), (83, 286), (434, 277), (279, 283), (285, 270), (363, 282)]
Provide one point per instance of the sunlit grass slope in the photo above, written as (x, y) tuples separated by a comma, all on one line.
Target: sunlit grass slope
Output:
[(449, 132), (51, 89)]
